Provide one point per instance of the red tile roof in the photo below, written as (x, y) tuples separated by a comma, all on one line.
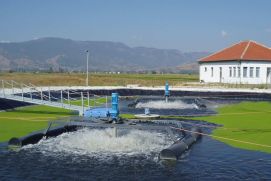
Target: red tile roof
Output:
[(246, 50)]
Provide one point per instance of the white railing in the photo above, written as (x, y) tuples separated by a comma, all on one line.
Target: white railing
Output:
[(39, 95)]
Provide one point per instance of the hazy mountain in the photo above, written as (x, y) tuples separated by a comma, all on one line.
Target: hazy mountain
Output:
[(56, 53), (190, 67)]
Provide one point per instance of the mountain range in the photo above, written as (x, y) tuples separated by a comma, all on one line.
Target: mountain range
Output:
[(65, 54)]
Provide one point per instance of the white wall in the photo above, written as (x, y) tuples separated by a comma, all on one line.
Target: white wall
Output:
[(206, 76)]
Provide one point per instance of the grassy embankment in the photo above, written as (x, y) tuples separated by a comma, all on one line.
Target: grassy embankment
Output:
[(22, 121), (78, 79), (246, 121)]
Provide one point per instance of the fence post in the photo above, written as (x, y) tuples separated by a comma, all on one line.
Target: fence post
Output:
[(94, 100), (22, 88), (61, 92), (69, 98), (12, 87), (106, 102), (41, 96), (82, 98), (3, 88), (88, 99), (49, 94)]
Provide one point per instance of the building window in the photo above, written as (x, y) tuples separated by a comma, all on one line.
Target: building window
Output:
[(230, 71), (234, 71), (239, 72), (257, 72), (244, 71), (205, 69), (251, 70), (212, 71)]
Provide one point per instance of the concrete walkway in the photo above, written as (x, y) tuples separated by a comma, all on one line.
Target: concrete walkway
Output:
[(192, 89)]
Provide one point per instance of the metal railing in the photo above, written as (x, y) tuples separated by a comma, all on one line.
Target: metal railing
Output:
[(67, 99)]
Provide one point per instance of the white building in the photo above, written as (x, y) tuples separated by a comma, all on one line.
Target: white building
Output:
[(246, 62)]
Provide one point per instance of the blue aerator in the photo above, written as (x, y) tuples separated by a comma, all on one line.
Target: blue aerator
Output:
[(101, 112), (114, 112), (167, 93)]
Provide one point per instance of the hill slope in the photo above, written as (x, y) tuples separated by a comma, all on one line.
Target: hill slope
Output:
[(56, 53)]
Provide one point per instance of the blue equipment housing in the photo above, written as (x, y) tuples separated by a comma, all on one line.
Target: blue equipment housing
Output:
[(112, 113), (167, 93), (97, 113)]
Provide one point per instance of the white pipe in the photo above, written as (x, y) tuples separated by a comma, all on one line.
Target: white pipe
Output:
[(22, 88), (106, 102), (69, 102), (3, 88), (41, 95), (82, 98), (87, 68), (61, 92), (12, 87), (88, 99), (49, 94), (94, 101)]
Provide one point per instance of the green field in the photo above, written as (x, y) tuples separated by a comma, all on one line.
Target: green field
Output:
[(22, 121), (99, 79), (247, 121), (92, 102)]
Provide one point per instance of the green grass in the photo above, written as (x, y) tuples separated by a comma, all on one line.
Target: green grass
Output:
[(127, 116), (22, 121), (99, 79), (92, 102), (247, 121)]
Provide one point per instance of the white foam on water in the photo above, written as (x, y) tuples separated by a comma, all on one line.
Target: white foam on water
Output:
[(98, 142), (165, 105)]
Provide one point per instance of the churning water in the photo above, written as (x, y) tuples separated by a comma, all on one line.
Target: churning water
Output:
[(98, 155), (100, 143), (161, 104)]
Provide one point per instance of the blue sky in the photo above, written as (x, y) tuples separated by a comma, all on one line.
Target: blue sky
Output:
[(187, 25)]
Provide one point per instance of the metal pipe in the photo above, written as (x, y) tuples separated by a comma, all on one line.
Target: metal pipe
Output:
[(88, 99), (106, 101), (12, 87), (82, 98), (69, 102), (41, 95), (22, 88), (87, 68), (179, 147), (61, 92), (3, 88), (49, 94)]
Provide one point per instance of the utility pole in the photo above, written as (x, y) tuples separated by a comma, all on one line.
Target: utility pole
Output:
[(87, 68)]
